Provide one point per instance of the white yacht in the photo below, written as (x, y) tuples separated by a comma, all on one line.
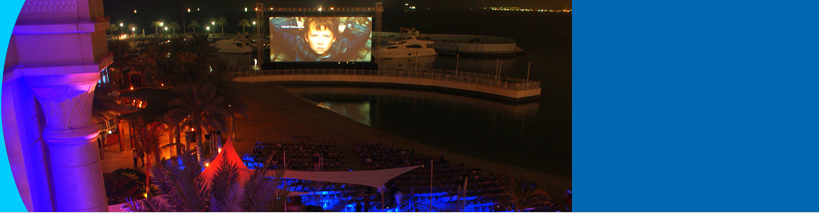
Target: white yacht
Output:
[(408, 46), (237, 44)]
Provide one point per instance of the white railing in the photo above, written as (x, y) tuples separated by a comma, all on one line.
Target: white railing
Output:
[(331, 9), (434, 74)]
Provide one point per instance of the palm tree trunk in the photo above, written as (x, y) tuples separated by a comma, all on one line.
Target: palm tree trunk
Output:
[(170, 139), (148, 178), (178, 136), (198, 129), (120, 133)]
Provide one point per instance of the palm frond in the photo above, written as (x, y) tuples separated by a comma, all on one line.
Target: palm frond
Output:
[(222, 184)]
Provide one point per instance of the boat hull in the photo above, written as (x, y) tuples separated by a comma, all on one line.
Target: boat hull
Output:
[(404, 54)]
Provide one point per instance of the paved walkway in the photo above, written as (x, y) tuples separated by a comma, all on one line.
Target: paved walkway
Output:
[(113, 158)]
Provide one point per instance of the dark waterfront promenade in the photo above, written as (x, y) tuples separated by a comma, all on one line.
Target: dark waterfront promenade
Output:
[(278, 115)]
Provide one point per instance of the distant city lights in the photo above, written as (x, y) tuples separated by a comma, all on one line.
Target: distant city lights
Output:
[(518, 9)]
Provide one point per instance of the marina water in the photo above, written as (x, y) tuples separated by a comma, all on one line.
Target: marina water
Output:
[(534, 135)]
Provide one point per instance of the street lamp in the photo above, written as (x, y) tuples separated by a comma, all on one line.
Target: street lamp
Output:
[(121, 29), (255, 31)]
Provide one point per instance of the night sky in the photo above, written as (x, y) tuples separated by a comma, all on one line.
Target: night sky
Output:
[(122, 11), (126, 5)]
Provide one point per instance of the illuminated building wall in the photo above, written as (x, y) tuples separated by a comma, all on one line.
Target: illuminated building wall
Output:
[(56, 51)]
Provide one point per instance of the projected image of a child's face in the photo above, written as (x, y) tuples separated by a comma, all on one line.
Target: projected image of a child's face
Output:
[(320, 38)]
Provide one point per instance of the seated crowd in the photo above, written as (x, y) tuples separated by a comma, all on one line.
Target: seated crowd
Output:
[(409, 191), (303, 156)]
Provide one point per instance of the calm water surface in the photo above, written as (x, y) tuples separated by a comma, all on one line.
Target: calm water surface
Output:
[(534, 135)]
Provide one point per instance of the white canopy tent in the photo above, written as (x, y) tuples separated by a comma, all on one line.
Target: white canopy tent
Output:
[(374, 178)]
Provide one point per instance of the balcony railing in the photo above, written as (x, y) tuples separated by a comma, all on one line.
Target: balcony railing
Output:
[(434, 74)]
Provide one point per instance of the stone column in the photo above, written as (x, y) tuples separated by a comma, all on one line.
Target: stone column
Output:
[(70, 136)]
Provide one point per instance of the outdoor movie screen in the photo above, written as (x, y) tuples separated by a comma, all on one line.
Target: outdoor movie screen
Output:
[(320, 39)]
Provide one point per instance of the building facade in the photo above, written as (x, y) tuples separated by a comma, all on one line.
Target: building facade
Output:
[(53, 63)]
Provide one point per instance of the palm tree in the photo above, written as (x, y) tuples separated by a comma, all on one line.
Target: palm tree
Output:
[(243, 23), (182, 188), (113, 28), (174, 26), (201, 104), (229, 91), (524, 196), (124, 61), (122, 52), (222, 22), (148, 134), (193, 25), (156, 25), (176, 127)]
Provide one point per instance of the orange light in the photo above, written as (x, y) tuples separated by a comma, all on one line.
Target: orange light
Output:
[(191, 129), (132, 88), (220, 150), (207, 164)]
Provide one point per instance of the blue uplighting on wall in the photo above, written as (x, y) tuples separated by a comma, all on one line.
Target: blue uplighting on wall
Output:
[(12, 202)]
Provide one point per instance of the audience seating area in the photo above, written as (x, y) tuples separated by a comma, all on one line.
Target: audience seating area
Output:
[(447, 180), (303, 156), (484, 191)]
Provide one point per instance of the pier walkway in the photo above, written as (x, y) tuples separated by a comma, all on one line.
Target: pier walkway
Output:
[(505, 87)]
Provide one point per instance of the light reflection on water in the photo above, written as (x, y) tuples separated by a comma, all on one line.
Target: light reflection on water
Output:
[(357, 111)]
